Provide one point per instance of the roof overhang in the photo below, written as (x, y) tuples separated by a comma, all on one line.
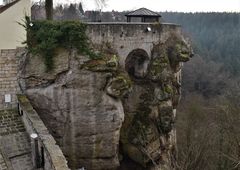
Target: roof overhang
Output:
[(5, 7)]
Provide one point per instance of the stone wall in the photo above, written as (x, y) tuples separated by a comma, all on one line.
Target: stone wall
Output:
[(125, 37), (8, 78), (49, 155)]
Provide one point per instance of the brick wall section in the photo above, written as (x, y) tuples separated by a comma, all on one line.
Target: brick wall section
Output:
[(53, 156), (8, 77), (10, 123)]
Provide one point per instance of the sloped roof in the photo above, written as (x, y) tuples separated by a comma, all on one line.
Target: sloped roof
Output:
[(5, 7), (143, 12)]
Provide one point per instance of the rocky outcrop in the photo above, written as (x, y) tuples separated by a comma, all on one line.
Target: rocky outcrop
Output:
[(147, 135), (79, 101), (103, 113)]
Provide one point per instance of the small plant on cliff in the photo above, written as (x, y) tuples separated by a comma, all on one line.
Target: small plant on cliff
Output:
[(44, 37)]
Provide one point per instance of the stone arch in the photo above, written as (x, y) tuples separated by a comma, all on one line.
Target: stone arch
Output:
[(136, 63)]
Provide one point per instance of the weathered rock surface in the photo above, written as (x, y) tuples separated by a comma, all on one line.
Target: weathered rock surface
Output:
[(105, 112), (73, 103), (147, 135)]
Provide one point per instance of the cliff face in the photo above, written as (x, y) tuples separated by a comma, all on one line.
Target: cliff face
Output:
[(116, 109), (75, 107), (147, 135)]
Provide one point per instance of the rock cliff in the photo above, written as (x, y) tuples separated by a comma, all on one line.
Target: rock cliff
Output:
[(117, 109)]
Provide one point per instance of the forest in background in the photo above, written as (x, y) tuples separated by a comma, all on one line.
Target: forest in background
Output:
[(208, 117)]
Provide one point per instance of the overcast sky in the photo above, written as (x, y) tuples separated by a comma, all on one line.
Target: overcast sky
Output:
[(163, 5)]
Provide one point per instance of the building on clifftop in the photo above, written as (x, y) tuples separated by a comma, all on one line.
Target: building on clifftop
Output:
[(143, 15)]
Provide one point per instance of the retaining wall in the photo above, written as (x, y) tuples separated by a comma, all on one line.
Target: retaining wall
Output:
[(49, 153)]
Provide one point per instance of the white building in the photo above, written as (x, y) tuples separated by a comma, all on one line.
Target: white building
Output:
[(11, 32)]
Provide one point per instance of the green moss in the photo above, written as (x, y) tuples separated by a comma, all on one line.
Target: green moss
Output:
[(113, 62), (24, 102), (44, 37), (126, 78), (107, 63), (157, 67), (138, 133), (135, 131), (184, 57), (177, 50), (165, 123), (164, 93), (168, 89), (22, 98), (148, 96), (120, 85), (7, 111)]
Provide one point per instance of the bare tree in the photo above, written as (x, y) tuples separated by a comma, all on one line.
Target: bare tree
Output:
[(208, 130), (49, 7), (193, 131)]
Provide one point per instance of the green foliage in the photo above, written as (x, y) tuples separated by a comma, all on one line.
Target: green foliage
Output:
[(44, 37)]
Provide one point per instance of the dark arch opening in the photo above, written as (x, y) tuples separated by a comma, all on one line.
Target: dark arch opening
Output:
[(136, 63)]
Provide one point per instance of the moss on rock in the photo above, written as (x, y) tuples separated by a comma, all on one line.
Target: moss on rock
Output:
[(119, 86), (178, 50), (157, 70), (107, 63)]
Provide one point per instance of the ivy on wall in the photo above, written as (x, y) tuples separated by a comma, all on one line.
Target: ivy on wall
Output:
[(44, 37)]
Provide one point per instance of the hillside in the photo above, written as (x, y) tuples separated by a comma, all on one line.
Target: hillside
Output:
[(215, 36)]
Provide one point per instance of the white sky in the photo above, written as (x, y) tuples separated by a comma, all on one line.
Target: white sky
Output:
[(163, 5)]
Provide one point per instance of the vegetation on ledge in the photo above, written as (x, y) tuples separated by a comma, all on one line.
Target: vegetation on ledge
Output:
[(44, 37)]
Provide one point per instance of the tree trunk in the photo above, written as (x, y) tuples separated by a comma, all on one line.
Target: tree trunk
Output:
[(49, 9)]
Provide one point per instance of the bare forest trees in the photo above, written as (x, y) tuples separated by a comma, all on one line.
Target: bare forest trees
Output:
[(49, 7), (208, 119)]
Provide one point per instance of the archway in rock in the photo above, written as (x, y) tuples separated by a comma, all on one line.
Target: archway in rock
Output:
[(136, 63)]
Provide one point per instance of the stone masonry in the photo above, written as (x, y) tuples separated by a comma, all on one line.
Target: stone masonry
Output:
[(15, 148), (8, 77)]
